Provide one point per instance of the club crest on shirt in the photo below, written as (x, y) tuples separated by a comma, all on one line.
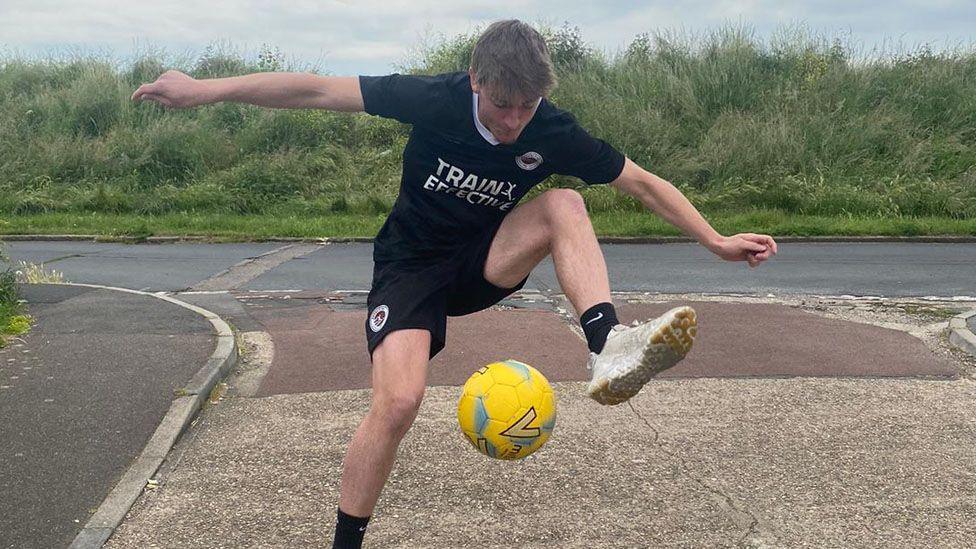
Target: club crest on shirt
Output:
[(377, 319), (529, 160)]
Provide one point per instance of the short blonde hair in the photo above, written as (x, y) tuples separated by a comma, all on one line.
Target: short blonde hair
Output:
[(511, 58)]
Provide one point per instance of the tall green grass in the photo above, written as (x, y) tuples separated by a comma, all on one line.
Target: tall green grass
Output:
[(798, 124)]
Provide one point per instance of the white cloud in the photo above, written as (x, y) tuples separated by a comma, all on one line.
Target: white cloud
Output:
[(369, 36)]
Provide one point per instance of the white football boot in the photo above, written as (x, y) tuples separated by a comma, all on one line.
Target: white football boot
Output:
[(634, 354)]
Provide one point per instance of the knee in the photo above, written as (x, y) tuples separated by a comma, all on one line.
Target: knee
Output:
[(565, 207), (396, 411)]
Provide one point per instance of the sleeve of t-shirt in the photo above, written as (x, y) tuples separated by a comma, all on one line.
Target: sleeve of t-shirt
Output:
[(407, 98), (593, 160)]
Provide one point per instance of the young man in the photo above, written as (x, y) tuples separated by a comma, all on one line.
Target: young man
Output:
[(456, 243)]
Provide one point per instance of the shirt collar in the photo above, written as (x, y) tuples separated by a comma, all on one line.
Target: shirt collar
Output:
[(477, 122)]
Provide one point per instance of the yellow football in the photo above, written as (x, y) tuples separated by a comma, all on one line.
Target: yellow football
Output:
[(507, 410)]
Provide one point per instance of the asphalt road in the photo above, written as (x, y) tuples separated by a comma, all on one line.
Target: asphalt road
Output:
[(863, 269), (79, 398)]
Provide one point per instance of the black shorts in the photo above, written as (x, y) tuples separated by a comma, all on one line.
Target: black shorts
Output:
[(410, 295)]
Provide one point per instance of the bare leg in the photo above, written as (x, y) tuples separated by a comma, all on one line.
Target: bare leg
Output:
[(399, 380), (554, 222)]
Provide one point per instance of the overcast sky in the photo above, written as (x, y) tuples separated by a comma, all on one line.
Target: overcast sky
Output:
[(373, 36)]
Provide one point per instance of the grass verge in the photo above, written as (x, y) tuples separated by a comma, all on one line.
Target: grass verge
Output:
[(226, 227), (13, 320)]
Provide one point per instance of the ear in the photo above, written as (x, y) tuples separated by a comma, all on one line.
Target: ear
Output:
[(474, 81)]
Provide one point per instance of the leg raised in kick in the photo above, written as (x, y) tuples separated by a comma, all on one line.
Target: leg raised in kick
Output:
[(623, 358)]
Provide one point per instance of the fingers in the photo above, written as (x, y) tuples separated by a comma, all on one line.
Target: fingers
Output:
[(754, 258), (141, 91), (752, 246), (158, 99), (763, 239), (151, 92)]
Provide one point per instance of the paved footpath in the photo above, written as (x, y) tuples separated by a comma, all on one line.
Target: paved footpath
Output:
[(797, 421), (788, 426)]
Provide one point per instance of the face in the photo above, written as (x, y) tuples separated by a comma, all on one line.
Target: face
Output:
[(505, 117)]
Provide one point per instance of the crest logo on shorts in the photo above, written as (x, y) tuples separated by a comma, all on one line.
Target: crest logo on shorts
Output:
[(377, 319), (529, 161)]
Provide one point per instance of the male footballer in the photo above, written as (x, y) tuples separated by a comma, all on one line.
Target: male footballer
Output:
[(457, 239)]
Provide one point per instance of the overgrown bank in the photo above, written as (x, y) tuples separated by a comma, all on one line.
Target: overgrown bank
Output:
[(794, 128)]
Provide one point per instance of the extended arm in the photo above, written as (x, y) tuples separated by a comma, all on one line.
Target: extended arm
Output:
[(282, 90), (664, 199)]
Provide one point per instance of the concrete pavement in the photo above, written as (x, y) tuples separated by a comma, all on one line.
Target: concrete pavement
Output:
[(694, 463), (876, 451)]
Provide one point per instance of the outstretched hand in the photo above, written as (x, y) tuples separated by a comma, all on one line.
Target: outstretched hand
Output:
[(172, 89), (754, 248)]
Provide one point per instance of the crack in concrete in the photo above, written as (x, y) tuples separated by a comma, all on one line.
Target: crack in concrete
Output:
[(743, 518), (725, 501), (62, 257)]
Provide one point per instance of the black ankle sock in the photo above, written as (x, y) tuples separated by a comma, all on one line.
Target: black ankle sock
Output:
[(349, 531), (596, 323)]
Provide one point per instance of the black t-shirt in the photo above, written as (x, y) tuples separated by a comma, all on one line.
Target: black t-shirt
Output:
[(456, 185)]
